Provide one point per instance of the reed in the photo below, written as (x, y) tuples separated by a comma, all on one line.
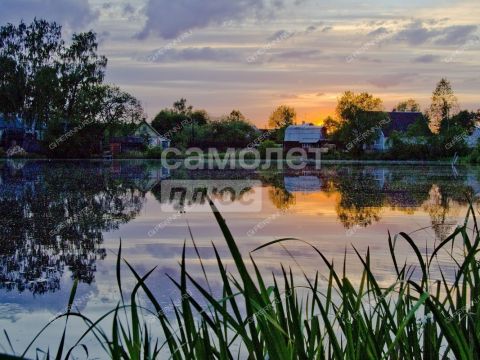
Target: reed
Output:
[(284, 320)]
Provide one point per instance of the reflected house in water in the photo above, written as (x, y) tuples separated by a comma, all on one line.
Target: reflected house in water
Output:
[(304, 184), (364, 192), (54, 214), (145, 179)]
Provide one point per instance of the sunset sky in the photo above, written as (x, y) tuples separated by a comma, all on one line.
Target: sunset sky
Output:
[(254, 55)]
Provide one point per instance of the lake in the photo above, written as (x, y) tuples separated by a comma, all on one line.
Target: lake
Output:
[(63, 220)]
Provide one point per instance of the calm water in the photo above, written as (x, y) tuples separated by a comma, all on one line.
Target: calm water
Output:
[(64, 220)]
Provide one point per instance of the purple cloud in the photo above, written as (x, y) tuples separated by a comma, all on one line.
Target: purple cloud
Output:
[(74, 14), (169, 19)]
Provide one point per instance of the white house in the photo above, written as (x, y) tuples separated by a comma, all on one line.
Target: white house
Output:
[(147, 131), (304, 136), (472, 139)]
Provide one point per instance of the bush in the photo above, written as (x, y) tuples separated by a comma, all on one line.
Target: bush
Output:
[(264, 145), (154, 153), (474, 156)]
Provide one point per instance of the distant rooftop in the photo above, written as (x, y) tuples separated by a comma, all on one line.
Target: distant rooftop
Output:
[(400, 121), (305, 134)]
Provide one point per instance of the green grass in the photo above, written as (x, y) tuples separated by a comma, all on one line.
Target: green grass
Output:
[(307, 321)]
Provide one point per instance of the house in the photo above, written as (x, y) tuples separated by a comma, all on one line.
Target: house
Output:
[(144, 135), (472, 139), (151, 136), (305, 136), (397, 121), (126, 144)]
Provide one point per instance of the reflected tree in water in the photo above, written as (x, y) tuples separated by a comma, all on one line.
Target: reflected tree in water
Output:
[(277, 193), (361, 198), (53, 217)]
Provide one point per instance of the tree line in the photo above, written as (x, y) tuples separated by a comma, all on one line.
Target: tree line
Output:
[(59, 87)]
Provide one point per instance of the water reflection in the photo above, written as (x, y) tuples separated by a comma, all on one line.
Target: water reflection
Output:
[(54, 214), (365, 192)]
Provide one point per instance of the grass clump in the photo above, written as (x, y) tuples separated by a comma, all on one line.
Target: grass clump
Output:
[(415, 317)]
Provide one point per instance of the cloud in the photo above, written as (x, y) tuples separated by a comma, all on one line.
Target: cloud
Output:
[(379, 31), (168, 18), (73, 14), (288, 96), (281, 35), (389, 80), (297, 54), (416, 33), (194, 54), (128, 9), (426, 59), (456, 35)]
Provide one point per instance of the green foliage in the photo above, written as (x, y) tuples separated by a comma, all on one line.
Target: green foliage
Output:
[(419, 128), (474, 156), (232, 130), (154, 153), (180, 123), (360, 118), (264, 145), (400, 149), (428, 147), (49, 82), (463, 120)]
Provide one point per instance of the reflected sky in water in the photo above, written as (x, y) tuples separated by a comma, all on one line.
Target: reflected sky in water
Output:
[(63, 220)]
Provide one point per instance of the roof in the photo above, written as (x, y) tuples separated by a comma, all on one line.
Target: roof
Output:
[(305, 134), (154, 131), (400, 121)]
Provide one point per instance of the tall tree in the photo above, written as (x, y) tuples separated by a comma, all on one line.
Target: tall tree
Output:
[(464, 120), (44, 81), (444, 105), (236, 115), (181, 107), (282, 117), (361, 117), (28, 75), (81, 68), (408, 105)]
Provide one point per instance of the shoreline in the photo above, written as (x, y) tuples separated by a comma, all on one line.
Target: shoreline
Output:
[(309, 162)]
